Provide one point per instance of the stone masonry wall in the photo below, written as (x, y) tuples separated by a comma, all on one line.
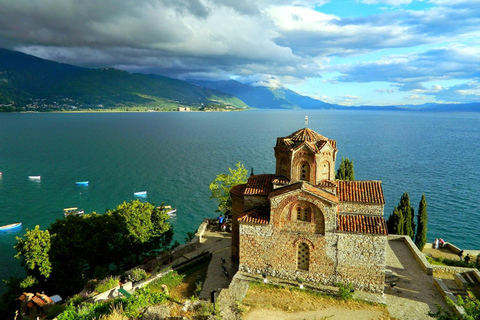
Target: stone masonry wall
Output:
[(360, 208), (361, 261), (237, 210), (277, 254), (255, 201)]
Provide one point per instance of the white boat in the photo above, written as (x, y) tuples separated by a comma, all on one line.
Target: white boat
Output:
[(81, 183), (169, 209), (34, 178), (11, 226), (142, 194), (73, 211)]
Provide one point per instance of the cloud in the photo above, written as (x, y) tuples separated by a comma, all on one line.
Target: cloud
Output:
[(410, 71), (394, 3), (265, 41)]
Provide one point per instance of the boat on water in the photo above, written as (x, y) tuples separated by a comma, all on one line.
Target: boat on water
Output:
[(11, 226), (142, 194), (73, 211), (34, 178), (81, 183), (170, 211)]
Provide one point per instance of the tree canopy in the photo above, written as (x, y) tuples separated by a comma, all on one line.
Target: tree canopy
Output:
[(345, 171), (220, 187), (422, 219), (79, 248), (33, 250), (408, 214)]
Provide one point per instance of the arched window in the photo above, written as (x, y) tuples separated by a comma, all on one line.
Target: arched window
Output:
[(326, 170), (303, 213), (304, 173), (303, 256)]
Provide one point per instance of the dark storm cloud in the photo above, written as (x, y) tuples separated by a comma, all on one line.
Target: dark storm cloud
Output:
[(249, 39)]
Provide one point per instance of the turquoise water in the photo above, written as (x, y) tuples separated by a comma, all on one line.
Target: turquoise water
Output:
[(174, 156)]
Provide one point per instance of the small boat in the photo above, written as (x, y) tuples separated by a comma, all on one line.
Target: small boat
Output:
[(34, 178), (169, 209), (11, 226), (81, 183), (73, 211), (142, 194)]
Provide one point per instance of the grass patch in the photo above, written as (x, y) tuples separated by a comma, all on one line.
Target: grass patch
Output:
[(106, 284), (185, 284), (293, 299)]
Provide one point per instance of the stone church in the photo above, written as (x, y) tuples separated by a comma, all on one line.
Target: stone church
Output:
[(301, 223)]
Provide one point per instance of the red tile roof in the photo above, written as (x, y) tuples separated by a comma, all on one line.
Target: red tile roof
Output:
[(327, 184), (41, 299), (360, 191), (259, 215), (362, 224), (306, 134), (238, 190), (308, 137), (281, 180), (259, 185)]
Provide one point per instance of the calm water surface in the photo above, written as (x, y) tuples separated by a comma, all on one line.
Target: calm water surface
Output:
[(174, 156)]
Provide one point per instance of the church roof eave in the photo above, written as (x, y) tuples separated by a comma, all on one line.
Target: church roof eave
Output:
[(306, 187)]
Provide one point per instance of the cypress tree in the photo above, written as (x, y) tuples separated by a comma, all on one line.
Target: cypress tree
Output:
[(408, 215), (395, 223), (422, 217), (345, 171), (340, 175)]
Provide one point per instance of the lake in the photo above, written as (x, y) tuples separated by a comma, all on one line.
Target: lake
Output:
[(174, 156)]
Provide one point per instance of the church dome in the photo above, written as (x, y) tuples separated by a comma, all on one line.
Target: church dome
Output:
[(307, 135)]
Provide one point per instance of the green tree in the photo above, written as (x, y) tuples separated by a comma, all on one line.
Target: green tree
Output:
[(408, 215), (345, 170), (396, 222), (33, 250), (422, 218), (220, 187), (92, 245)]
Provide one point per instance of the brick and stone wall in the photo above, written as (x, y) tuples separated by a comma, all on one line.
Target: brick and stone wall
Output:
[(361, 260), (360, 208), (264, 250)]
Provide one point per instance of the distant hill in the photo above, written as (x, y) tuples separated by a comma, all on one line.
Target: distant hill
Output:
[(26, 80), (266, 98), (443, 107)]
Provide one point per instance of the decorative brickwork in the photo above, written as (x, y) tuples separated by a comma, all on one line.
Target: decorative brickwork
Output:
[(300, 223)]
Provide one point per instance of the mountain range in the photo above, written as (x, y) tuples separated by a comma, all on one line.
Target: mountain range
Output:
[(31, 83), (28, 81), (266, 98)]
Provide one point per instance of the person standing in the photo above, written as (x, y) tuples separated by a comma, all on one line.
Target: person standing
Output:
[(467, 258), (460, 254), (220, 222)]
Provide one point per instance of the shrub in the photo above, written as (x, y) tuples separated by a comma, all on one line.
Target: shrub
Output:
[(138, 274), (107, 284), (345, 291)]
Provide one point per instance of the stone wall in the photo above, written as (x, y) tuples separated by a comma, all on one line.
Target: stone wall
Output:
[(361, 260), (237, 210), (360, 208), (356, 258), (276, 254), (255, 201)]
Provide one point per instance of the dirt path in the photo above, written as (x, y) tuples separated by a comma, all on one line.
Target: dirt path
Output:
[(328, 313)]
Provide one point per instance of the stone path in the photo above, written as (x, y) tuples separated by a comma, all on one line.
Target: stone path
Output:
[(414, 293)]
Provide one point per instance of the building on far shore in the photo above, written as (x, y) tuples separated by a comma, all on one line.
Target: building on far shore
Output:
[(302, 224)]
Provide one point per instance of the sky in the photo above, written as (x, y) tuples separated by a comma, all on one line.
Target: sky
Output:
[(350, 52)]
